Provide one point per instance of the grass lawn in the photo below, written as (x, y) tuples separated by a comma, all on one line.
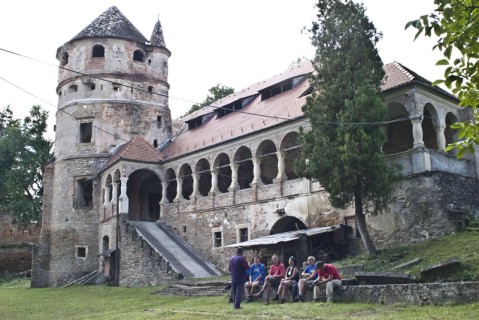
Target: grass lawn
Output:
[(19, 301)]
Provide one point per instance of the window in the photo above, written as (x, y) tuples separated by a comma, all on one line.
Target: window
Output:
[(92, 86), (155, 143), (85, 132), (138, 55), (81, 252), (242, 232), (150, 89), (279, 88), (98, 51), (217, 237), (64, 59), (84, 193), (73, 88), (158, 121), (116, 87)]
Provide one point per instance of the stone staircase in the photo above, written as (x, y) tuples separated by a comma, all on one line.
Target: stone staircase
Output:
[(200, 288)]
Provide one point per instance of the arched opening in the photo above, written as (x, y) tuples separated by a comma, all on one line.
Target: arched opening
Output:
[(269, 161), (98, 51), (138, 55), (204, 176), (223, 168), (105, 243), (399, 136), (428, 127), (73, 88), (450, 133), (144, 194), (108, 184), (64, 58), (286, 224), (170, 178), (187, 185), (292, 151), (245, 167)]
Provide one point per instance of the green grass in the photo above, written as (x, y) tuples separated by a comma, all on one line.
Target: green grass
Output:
[(19, 301), (463, 246)]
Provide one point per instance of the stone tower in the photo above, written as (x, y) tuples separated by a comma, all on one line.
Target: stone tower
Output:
[(112, 87)]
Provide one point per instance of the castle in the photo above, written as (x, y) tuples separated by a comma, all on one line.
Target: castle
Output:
[(135, 198)]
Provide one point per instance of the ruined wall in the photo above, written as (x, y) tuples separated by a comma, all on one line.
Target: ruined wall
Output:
[(141, 265), (426, 205)]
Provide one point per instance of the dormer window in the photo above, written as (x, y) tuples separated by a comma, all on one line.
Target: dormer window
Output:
[(195, 123), (139, 56), (98, 51), (229, 108), (281, 87)]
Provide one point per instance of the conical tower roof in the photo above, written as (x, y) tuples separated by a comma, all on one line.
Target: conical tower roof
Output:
[(111, 24), (157, 38)]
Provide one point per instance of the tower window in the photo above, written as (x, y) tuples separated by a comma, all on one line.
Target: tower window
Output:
[(84, 193), (81, 252), (138, 55), (149, 61), (85, 132), (64, 59), (98, 51), (73, 88), (158, 121), (150, 89), (92, 86), (155, 143)]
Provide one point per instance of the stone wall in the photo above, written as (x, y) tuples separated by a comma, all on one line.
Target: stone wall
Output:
[(15, 259), (418, 294), (141, 265), (427, 205)]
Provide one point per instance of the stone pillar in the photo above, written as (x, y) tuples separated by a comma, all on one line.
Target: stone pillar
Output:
[(234, 177), (179, 189), (124, 202), (164, 189), (441, 138), (106, 195), (214, 182), (256, 172), (196, 183), (281, 166), (114, 194), (417, 131)]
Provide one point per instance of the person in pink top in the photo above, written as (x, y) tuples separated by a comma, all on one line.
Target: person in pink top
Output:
[(276, 273), (329, 275)]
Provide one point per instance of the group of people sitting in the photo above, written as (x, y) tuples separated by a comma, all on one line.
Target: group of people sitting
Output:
[(313, 274)]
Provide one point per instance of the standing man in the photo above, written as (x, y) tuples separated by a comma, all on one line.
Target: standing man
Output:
[(237, 267), (328, 274), (257, 273)]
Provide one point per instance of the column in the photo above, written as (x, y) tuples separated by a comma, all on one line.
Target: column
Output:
[(196, 183), (417, 131), (440, 137), (106, 196), (234, 177), (164, 189), (124, 203), (179, 189), (256, 171), (114, 194), (214, 182), (281, 166)]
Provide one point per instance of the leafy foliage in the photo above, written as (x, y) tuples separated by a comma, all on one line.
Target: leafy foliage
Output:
[(456, 25), (217, 92), (343, 148), (23, 150)]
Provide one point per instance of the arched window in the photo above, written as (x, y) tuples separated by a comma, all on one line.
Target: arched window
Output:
[(269, 161), (64, 59), (98, 51), (204, 176), (138, 55)]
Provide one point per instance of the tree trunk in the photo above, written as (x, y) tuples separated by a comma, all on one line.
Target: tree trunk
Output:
[(361, 222)]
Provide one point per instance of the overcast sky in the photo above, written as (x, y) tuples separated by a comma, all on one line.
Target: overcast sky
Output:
[(229, 42)]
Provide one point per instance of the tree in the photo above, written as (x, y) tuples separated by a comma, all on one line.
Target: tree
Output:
[(23, 150), (456, 24), (217, 92), (342, 151)]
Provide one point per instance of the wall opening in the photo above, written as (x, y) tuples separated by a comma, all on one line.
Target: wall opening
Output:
[(171, 190), (144, 190), (98, 51), (84, 193), (64, 59), (223, 168), (187, 184), (292, 151), (399, 136), (428, 127), (204, 176), (86, 129), (269, 161), (138, 55), (245, 167), (72, 89), (81, 252), (287, 224)]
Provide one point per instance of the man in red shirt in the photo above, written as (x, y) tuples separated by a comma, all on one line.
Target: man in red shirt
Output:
[(329, 275), (276, 273)]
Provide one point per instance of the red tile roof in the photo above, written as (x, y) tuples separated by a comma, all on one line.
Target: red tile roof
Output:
[(137, 149), (258, 114)]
